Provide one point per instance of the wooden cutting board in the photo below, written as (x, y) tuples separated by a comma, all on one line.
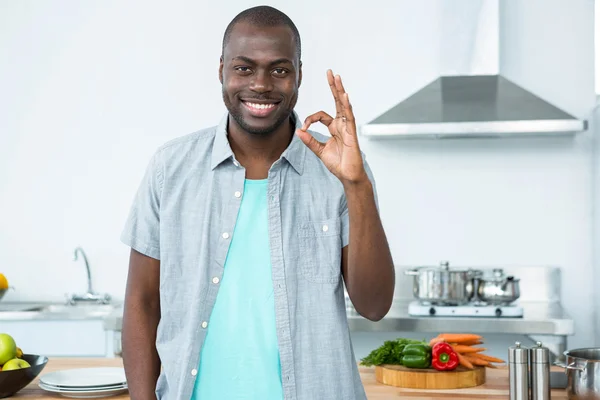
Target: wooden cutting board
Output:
[(399, 376)]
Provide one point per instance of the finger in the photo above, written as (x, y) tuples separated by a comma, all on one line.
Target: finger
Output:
[(348, 113), (334, 92), (341, 91), (320, 116), (313, 144)]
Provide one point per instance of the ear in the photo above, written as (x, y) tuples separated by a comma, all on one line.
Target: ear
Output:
[(221, 70), (300, 75)]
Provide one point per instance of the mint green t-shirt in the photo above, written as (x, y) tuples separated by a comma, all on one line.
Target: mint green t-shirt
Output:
[(240, 356)]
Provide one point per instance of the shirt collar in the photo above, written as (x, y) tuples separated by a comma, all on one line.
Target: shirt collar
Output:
[(294, 153)]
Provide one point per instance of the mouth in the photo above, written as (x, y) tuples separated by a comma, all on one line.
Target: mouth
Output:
[(260, 109)]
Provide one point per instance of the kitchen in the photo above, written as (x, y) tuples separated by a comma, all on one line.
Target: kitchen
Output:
[(83, 119)]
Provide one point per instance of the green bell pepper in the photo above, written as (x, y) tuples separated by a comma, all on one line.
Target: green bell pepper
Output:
[(416, 356)]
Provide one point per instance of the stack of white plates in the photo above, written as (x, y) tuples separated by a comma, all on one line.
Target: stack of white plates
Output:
[(85, 383)]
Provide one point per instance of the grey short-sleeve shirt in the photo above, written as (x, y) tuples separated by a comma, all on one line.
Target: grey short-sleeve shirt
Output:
[(184, 215)]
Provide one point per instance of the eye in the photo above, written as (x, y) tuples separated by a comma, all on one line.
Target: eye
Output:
[(243, 69), (280, 71)]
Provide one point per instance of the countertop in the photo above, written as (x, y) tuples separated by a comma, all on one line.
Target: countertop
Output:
[(539, 318), (496, 386)]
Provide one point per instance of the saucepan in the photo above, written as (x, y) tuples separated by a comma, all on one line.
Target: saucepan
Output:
[(582, 367), (496, 288), (443, 285)]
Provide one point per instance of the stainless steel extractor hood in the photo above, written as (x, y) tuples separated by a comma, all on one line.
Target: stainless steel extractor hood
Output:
[(472, 97), (472, 106)]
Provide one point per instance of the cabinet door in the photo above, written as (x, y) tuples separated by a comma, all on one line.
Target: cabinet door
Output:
[(81, 338)]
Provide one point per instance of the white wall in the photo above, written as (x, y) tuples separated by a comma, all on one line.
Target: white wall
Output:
[(548, 47), (89, 90)]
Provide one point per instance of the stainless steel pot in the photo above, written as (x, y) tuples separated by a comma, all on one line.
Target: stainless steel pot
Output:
[(443, 285), (583, 373), (497, 288)]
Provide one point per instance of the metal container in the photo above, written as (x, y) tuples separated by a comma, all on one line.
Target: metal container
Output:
[(497, 288), (443, 285), (539, 372), (583, 373), (518, 372)]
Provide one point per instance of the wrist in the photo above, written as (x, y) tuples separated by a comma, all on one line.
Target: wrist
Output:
[(358, 185)]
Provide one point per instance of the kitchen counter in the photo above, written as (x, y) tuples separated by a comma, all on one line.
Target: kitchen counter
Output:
[(539, 318), (496, 386), (52, 311)]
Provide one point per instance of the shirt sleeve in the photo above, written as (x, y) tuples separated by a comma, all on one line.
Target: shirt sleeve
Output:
[(345, 219), (142, 227)]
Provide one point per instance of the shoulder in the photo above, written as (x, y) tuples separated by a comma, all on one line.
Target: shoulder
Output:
[(189, 142)]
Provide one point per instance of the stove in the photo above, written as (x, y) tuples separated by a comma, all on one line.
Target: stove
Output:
[(416, 308)]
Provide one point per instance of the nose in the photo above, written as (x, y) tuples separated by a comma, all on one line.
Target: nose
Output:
[(261, 82)]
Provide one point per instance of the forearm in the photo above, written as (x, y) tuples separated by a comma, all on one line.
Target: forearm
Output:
[(140, 358), (370, 276)]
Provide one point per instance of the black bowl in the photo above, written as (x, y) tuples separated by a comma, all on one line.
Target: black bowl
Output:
[(16, 379)]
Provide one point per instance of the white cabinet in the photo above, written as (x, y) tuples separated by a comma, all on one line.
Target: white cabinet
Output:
[(59, 338)]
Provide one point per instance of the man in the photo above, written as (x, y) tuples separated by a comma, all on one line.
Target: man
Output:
[(243, 235)]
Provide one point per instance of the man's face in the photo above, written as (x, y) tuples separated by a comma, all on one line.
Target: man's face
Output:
[(260, 74)]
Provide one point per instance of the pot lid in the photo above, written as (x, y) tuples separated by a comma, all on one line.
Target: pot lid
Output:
[(497, 275), (445, 266)]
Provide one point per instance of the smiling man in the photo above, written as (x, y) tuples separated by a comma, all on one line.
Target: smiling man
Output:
[(243, 236)]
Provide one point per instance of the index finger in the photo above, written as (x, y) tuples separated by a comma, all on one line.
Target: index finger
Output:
[(334, 91), (344, 101)]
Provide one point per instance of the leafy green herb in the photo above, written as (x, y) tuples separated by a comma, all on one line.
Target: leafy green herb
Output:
[(389, 353)]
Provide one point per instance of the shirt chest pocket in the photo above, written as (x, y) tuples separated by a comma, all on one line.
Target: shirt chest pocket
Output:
[(320, 245)]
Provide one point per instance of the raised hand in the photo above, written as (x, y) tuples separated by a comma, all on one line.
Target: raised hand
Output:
[(340, 154)]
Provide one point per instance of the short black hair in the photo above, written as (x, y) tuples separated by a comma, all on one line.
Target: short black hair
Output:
[(263, 16)]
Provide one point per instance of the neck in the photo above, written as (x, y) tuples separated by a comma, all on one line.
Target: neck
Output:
[(262, 149)]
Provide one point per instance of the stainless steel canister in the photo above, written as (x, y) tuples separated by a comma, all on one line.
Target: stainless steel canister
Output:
[(539, 372), (518, 372)]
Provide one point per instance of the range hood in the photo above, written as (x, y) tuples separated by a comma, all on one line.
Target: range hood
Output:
[(472, 106), (472, 95)]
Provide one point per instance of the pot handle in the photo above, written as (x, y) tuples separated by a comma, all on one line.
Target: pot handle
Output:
[(570, 366), (413, 272)]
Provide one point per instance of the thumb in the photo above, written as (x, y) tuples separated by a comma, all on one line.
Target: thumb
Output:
[(313, 144)]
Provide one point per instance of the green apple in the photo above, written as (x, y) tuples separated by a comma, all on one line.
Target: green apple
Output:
[(8, 348), (15, 363)]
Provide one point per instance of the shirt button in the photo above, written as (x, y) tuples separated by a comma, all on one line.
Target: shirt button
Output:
[(194, 372), (225, 235), (237, 164), (204, 324), (325, 228), (237, 194), (215, 280)]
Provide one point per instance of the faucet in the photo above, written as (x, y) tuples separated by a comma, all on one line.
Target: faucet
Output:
[(90, 295)]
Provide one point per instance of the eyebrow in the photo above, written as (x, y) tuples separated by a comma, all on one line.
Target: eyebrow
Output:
[(274, 62)]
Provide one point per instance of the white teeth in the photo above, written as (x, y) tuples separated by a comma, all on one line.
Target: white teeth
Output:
[(260, 106)]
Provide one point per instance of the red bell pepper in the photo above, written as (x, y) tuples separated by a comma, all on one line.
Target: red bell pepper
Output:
[(443, 357)]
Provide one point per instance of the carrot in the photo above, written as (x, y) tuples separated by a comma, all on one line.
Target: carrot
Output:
[(469, 342), (462, 349), (485, 357), (477, 361), (464, 362), (436, 340), (459, 337)]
